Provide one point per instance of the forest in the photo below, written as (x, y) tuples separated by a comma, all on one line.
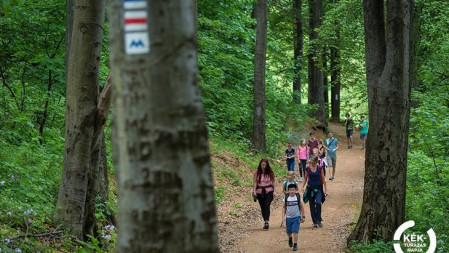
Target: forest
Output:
[(109, 150)]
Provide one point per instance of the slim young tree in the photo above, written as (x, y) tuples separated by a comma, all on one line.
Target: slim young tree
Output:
[(315, 74), (259, 76), (297, 50), (81, 112), (160, 143), (383, 209), (335, 77)]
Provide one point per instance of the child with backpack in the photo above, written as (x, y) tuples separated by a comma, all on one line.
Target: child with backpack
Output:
[(293, 209), (290, 180)]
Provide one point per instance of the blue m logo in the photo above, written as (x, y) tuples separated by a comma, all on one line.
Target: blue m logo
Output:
[(138, 43)]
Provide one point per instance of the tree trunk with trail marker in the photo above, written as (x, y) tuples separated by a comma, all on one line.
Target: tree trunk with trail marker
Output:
[(383, 209), (81, 112), (259, 77), (161, 147), (335, 81), (325, 84)]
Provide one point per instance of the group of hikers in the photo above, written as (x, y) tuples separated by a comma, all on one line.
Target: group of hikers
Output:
[(313, 157)]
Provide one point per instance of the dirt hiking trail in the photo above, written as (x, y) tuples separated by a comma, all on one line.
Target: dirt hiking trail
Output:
[(339, 211)]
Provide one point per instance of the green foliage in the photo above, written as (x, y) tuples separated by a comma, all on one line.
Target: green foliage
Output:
[(225, 64), (427, 173), (105, 244), (226, 38), (428, 177), (32, 108), (32, 112), (375, 247), (219, 194)]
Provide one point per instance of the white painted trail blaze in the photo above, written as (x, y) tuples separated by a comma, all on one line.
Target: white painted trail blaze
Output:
[(135, 21), (135, 4)]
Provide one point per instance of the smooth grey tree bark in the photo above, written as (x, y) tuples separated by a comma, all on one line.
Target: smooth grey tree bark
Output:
[(81, 110), (259, 139), (315, 75), (160, 143), (298, 51), (383, 209), (70, 10)]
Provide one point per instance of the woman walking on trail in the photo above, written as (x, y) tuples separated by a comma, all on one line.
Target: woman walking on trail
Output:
[(303, 155), (263, 188), (315, 191)]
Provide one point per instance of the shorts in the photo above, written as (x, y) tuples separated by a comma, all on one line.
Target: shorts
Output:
[(331, 161), (363, 136), (349, 133), (292, 224)]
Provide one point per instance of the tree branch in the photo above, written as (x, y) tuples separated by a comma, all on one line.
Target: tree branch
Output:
[(9, 88), (103, 108), (49, 234)]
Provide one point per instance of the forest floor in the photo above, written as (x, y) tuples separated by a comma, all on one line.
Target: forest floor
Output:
[(339, 213)]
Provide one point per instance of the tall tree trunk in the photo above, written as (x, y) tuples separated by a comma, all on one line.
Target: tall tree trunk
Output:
[(161, 148), (81, 110), (69, 10), (315, 77), (325, 84), (93, 189), (297, 51), (383, 208), (335, 78), (259, 76), (373, 13)]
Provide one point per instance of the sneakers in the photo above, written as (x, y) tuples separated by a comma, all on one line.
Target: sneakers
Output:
[(290, 242), (331, 178), (295, 247), (320, 225), (266, 226), (363, 147), (315, 225)]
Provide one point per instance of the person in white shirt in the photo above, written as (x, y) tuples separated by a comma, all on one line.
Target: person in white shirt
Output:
[(293, 208)]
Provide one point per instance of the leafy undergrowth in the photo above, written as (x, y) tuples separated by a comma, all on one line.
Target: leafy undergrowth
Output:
[(29, 182)]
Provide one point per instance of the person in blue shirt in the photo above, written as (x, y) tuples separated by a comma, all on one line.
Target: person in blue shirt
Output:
[(331, 146), (315, 192), (290, 157)]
